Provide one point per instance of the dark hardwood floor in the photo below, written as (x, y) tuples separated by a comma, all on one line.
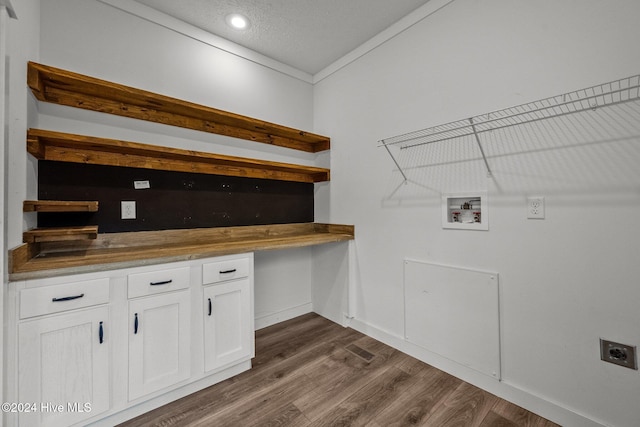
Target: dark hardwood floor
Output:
[(309, 371)]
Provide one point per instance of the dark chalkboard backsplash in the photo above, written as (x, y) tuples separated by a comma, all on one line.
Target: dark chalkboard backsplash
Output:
[(173, 200)]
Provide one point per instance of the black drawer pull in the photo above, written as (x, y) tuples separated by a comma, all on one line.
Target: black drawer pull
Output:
[(101, 333), (229, 271), (135, 324), (166, 282), (67, 298), (210, 308)]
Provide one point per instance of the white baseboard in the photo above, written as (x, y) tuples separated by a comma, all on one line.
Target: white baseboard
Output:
[(536, 404), (281, 316)]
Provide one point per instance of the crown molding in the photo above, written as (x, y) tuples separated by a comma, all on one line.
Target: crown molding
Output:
[(402, 25)]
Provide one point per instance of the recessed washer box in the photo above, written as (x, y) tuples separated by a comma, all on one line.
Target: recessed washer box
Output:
[(465, 211)]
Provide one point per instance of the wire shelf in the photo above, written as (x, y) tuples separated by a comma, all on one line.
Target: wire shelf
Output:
[(592, 98)]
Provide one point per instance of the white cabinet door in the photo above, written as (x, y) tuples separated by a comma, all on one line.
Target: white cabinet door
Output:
[(228, 329), (159, 342), (64, 367)]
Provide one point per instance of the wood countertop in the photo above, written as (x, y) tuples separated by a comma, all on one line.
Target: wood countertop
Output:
[(123, 250)]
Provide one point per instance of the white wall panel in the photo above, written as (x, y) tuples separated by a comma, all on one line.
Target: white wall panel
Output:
[(455, 313)]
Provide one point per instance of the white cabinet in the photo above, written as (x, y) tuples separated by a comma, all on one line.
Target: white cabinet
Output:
[(63, 367), (228, 325), (98, 348), (159, 342)]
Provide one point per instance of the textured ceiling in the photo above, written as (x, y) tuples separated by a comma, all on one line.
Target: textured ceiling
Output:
[(306, 34)]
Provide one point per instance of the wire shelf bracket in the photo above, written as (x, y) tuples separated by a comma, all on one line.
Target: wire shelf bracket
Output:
[(484, 157), (591, 98)]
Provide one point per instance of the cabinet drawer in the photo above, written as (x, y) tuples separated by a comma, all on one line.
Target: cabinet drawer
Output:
[(221, 271), (154, 282), (57, 298)]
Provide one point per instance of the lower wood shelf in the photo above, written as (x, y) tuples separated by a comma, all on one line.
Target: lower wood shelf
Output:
[(122, 250), (59, 234), (59, 206)]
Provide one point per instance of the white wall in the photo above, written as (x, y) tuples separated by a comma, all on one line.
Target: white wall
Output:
[(565, 281), (21, 44), (330, 281), (282, 285)]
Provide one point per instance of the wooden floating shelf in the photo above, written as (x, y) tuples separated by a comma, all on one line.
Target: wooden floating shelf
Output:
[(57, 146), (121, 250), (59, 234), (62, 87), (59, 206)]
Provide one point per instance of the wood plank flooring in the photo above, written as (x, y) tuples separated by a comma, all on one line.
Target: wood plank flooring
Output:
[(309, 371)]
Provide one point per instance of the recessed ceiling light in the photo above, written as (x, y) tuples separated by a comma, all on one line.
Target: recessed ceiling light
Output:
[(237, 21)]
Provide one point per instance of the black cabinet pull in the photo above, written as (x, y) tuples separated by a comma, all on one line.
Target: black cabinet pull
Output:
[(67, 298), (166, 282), (101, 333), (229, 271), (135, 324), (210, 308)]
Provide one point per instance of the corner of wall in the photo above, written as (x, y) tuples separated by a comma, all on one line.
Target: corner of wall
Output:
[(330, 281)]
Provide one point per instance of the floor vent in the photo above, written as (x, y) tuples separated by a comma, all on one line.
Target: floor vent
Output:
[(360, 352)]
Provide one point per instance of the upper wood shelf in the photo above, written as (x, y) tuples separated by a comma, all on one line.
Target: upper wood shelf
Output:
[(63, 87), (59, 206), (58, 146)]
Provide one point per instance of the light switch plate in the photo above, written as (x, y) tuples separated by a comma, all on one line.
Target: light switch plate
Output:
[(128, 209)]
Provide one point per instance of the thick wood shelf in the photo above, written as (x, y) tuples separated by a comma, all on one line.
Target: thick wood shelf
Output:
[(57, 146), (121, 250), (58, 234), (59, 206), (63, 87)]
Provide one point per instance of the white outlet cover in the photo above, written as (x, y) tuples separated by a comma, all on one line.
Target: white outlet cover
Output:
[(128, 209), (535, 207)]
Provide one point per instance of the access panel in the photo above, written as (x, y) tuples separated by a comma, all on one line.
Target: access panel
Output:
[(454, 312)]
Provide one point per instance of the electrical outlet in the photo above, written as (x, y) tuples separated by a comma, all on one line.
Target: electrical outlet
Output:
[(128, 209), (535, 207), (619, 354)]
